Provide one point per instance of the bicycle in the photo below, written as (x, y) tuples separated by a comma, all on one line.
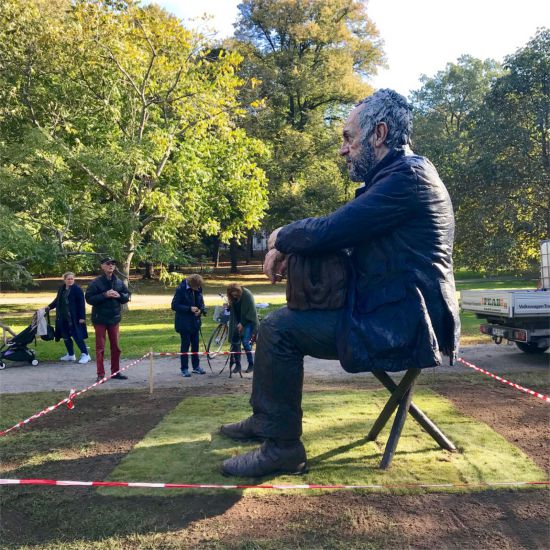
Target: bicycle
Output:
[(220, 334)]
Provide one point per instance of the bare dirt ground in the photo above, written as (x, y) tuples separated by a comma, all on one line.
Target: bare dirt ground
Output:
[(503, 519)]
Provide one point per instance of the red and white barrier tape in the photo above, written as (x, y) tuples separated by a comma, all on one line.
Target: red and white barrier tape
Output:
[(504, 381), (143, 485), (73, 394)]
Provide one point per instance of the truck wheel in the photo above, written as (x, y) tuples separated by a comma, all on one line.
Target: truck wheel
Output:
[(530, 348)]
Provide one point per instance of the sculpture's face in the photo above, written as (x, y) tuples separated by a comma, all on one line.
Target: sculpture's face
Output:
[(358, 152)]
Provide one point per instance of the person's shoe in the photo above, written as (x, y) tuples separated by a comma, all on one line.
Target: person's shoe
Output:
[(84, 358), (199, 371), (185, 373), (249, 369), (119, 376), (270, 458), (245, 430), (236, 369), (99, 378), (68, 357)]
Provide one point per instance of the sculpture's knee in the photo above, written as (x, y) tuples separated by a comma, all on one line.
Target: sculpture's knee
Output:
[(272, 325)]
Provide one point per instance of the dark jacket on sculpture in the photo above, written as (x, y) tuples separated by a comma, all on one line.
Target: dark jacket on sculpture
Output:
[(401, 308), (182, 302), (76, 309), (106, 311)]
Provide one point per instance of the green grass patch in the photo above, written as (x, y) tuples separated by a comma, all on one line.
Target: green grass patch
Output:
[(140, 330), (186, 448), (146, 326), (503, 284)]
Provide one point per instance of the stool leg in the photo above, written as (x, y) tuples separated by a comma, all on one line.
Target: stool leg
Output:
[(397, 427), (427, 424), (393, 402)]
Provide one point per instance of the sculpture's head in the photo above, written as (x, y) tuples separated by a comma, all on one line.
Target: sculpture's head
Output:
[(377, 124)]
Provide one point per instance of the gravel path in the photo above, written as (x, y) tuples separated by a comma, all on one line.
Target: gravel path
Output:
[(63, 376)]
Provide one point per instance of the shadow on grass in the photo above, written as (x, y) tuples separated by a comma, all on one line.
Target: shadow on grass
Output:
[(63, 515), (343, 449)]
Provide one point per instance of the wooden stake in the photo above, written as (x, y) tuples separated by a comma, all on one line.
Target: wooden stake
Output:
[(151, 364)]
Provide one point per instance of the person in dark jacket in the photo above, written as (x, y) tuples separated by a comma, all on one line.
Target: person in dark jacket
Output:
[(188, 304), (401, 309), (243, 324), (70, 318), (106, 294)]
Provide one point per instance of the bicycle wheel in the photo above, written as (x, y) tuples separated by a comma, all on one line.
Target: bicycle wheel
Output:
[(217, 340)]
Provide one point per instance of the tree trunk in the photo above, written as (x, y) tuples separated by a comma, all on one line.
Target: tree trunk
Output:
[(233, 255), (216, 252), (148, 270), (249, 247), (125, 273)]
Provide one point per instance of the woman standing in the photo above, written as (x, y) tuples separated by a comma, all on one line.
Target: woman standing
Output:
[(70, 318), (243, 323), (188, 304)]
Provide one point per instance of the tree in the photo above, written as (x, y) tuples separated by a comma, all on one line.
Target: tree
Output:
[(305, 63), (486, 130), (102, 102), (512, 165), (446, 108)]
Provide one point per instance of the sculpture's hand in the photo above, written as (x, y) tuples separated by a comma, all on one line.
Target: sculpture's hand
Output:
[(272, 238), (275, 265)]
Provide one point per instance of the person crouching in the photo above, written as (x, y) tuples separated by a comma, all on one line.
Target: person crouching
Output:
[(243, 324), (188, 304)]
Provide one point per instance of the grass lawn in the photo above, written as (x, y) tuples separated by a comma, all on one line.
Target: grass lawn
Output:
[(141, 330), (150, 322), (186, 448)]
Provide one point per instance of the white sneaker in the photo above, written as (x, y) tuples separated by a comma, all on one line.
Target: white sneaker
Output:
[(68, 358), (84, 358)]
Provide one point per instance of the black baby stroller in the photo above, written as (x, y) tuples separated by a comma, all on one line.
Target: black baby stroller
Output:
[(16, 348)]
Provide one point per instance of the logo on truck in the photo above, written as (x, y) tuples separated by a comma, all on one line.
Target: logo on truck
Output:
[(494, 302)]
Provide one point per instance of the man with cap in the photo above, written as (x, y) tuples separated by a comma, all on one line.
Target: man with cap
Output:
[(106, 294)]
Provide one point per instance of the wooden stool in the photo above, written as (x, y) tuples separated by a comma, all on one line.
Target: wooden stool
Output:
[(401, 399)]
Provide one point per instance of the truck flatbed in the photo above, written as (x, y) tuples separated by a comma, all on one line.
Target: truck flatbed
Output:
[(507, 303)]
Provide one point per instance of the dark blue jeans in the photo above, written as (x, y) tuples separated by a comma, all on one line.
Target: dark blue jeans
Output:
[(244, 338), (285, 337), (189, 339), (70, 347)]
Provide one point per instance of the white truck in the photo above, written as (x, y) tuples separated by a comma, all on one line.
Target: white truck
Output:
[(520, 316)]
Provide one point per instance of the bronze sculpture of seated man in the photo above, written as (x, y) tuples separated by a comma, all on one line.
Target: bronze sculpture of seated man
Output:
[(400, 309)]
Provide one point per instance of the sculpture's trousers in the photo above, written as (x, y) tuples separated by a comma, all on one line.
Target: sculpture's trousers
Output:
[(284, 338)]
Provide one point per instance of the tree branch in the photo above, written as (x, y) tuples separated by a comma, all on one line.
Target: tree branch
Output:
[(120, 67)]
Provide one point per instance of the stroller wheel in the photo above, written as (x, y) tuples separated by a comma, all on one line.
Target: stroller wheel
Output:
[(2, 365), (34, 362)]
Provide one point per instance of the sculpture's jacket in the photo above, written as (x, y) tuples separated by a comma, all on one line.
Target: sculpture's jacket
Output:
[(402, 310)]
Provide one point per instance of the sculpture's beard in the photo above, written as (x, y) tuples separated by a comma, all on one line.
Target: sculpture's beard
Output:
[(361, 166)]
